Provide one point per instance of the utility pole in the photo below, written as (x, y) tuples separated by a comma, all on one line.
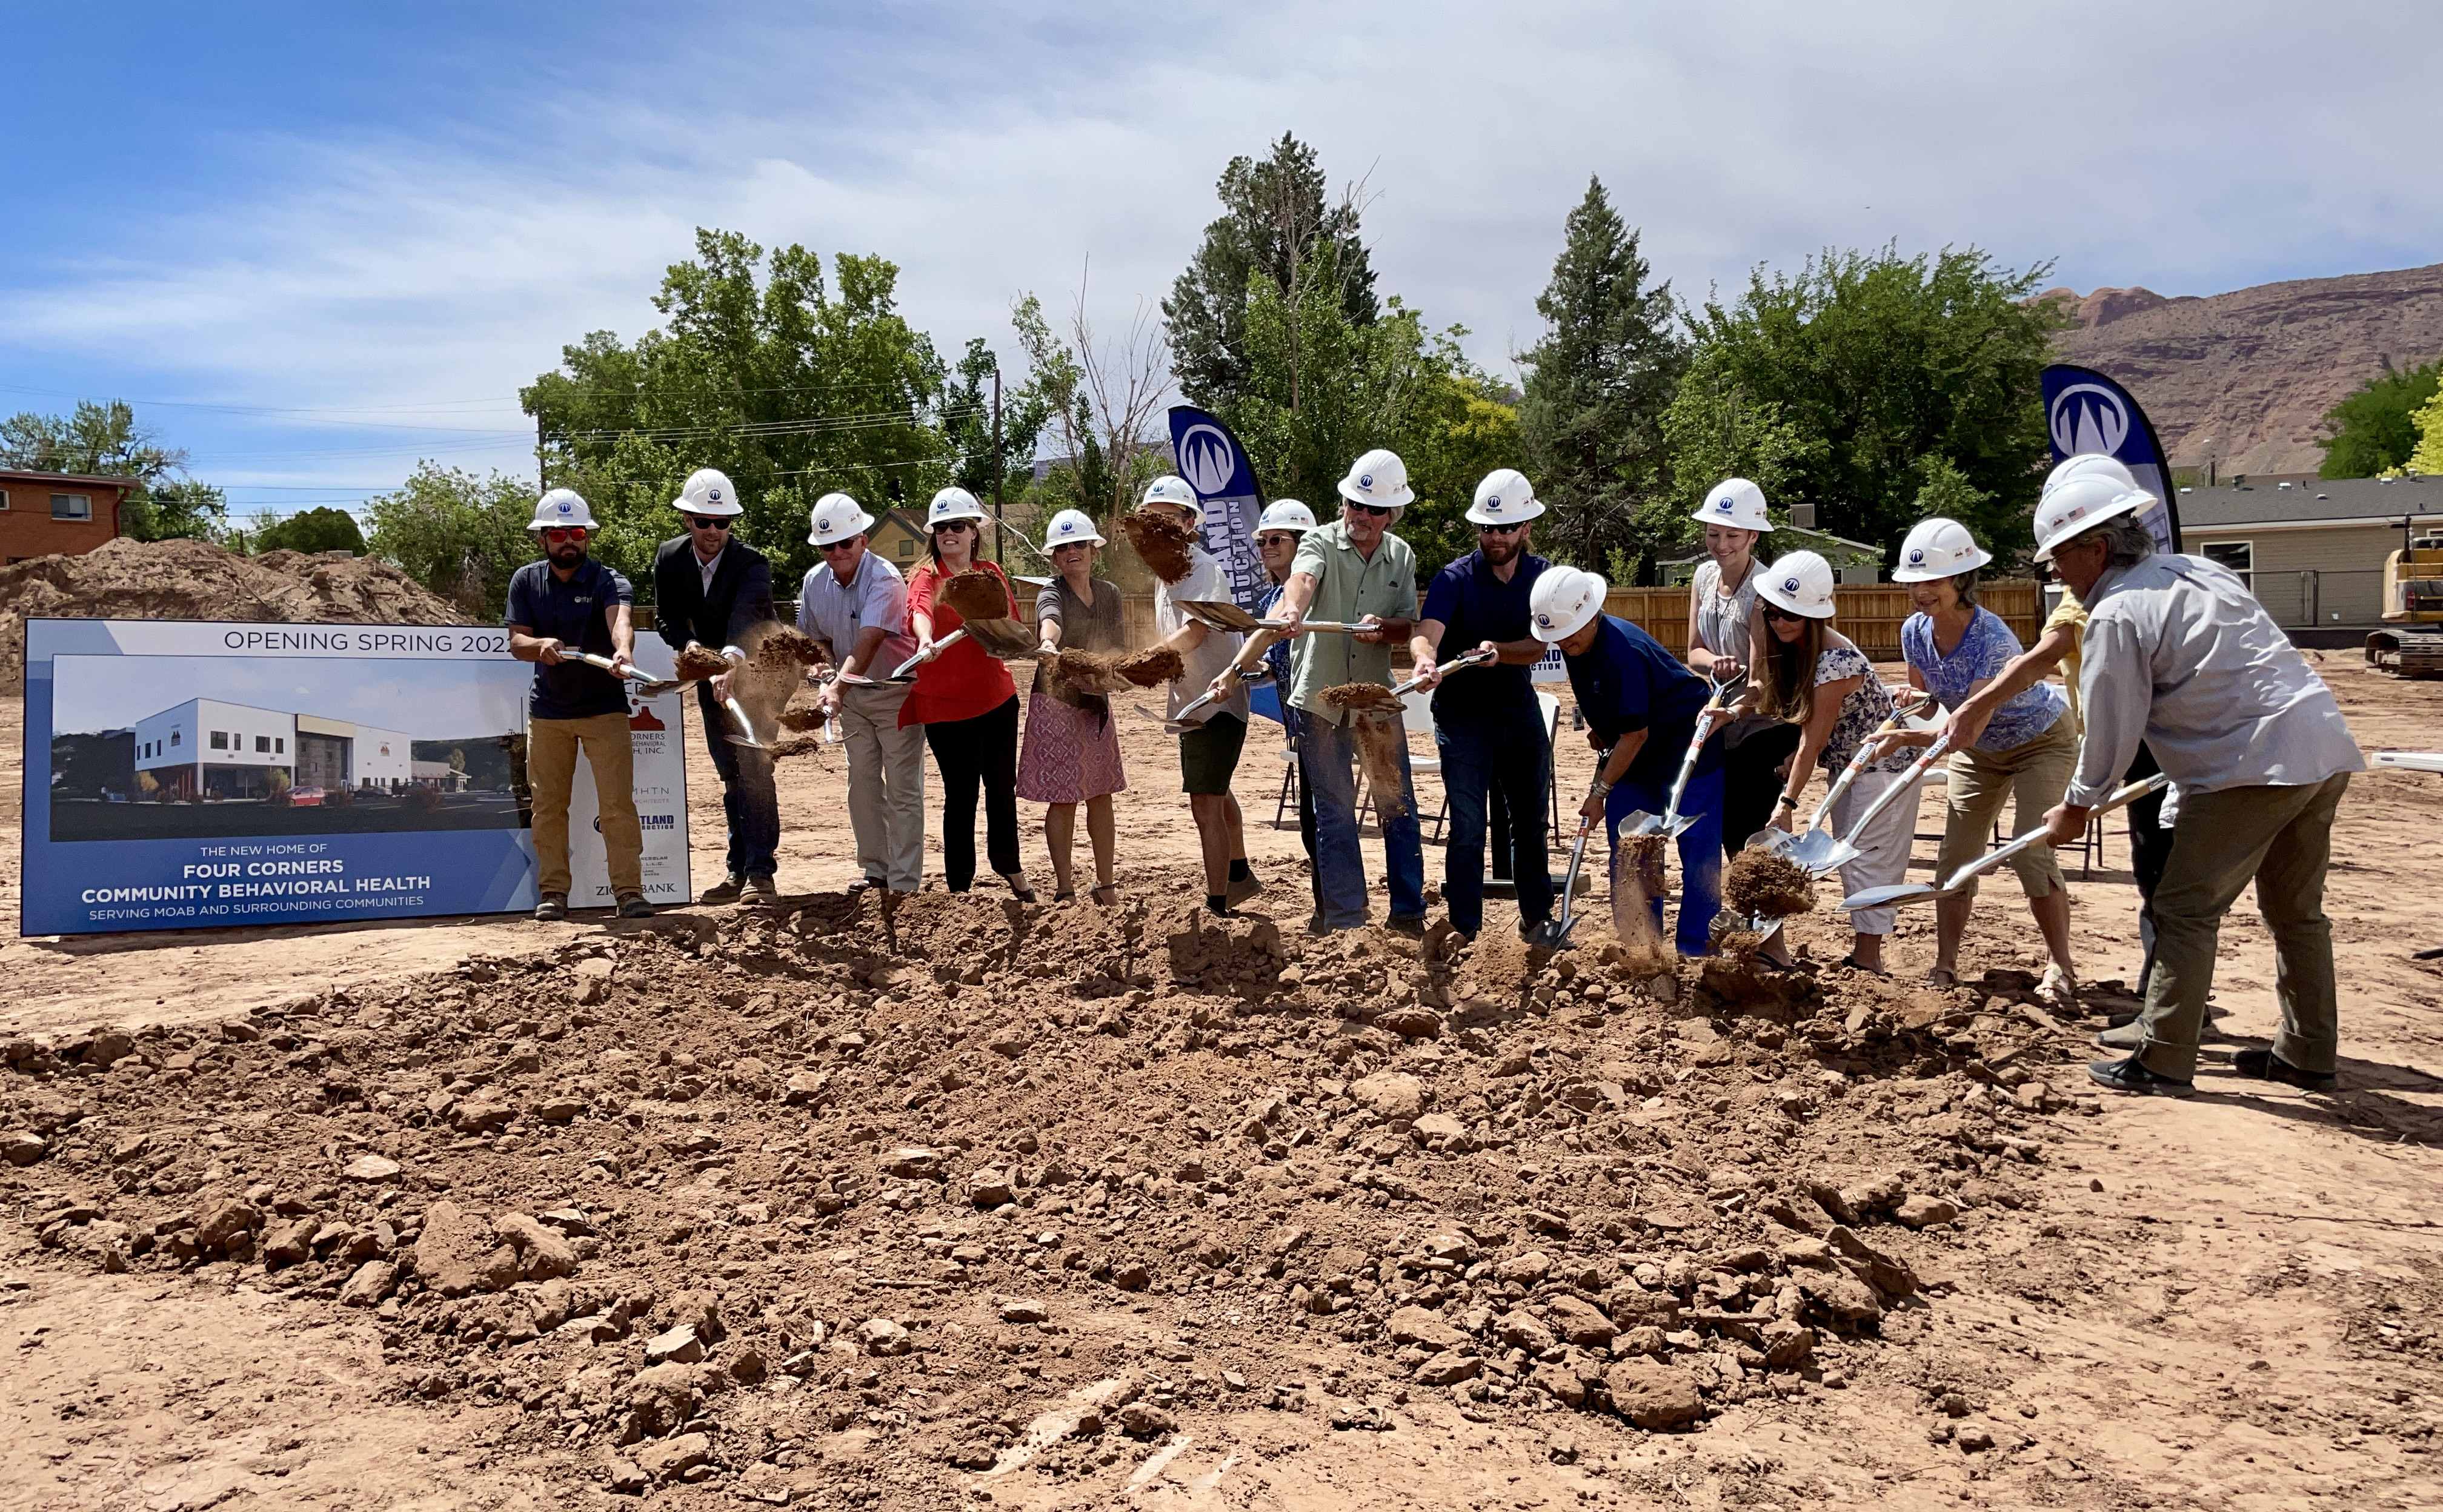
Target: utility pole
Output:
[(1000, 473), (541, 481)]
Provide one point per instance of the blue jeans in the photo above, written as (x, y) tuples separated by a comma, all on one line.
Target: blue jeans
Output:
[(748, 800), (1476, 762), (1329, 752), (1701, 850)]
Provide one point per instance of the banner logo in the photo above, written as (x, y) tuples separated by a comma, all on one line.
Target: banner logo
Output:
[(1207, 458), (2088, 417)]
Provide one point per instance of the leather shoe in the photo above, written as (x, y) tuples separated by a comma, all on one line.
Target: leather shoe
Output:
[(726, 891), (2267, 1066), (2132, 1076)]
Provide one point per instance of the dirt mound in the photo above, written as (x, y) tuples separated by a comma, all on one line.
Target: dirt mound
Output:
[(1764, 882), (1153, 667), (197, 580), (976, 596), (1162, 542)]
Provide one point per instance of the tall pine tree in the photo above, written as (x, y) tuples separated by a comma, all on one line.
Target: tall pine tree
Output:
[(1275, 220), (1598, 384)]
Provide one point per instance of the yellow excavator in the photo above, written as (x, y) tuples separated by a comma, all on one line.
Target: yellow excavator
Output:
[(2412, 643)]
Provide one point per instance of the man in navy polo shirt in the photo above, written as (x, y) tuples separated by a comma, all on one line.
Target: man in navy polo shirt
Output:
[(1485, 720), (566, 604)]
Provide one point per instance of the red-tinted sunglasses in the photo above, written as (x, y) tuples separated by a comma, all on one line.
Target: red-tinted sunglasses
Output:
[(563, 533)]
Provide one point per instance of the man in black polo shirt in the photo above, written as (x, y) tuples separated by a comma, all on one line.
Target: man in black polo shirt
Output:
[(561, 606), (712, 589), (1485, 722)]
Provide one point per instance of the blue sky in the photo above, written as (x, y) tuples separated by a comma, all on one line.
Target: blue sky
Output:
[(426, 701), (315, 243)]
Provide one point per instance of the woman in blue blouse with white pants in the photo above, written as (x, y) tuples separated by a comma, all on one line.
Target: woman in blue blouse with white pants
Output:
[(1954, 647)]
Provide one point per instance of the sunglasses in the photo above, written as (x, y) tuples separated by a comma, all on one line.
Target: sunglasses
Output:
[(1501, 530), (837, 546), (954, 525), (1775, 612), (1277, 537), (708, 523), (1377, 511), (576, 533)]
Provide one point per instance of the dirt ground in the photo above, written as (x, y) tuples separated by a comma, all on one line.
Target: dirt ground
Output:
[(973, 1204)]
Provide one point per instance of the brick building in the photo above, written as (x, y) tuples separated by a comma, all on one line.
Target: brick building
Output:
[(44, 513)]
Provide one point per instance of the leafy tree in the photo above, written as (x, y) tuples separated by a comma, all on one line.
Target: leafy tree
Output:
[(968, 420), (1947, 492), (2428, 459), (2373, 431), (1275, 219), (1880, 365), (460, 535), (314, 530), (107, 440), (791, 383), (1598, 386)]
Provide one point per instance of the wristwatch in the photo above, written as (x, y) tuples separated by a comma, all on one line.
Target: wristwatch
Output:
[(1787, 802)]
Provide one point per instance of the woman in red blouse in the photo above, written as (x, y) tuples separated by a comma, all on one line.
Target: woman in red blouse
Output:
[(966, 702)]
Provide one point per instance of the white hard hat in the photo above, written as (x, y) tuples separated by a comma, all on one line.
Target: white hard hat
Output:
[(2090, 464), (707, 491), (1285, 514), (1379, 478), (1938, 548), (1563, 599), (1069, 528), (2079, 505), (1174, 491), (952, 503), (561, 507), (1801, 582), (1505, 498), (835, 518), (1736, 503)]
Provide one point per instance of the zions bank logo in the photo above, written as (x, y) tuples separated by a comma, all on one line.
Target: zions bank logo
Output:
[(1207, 460), (2089, 417)]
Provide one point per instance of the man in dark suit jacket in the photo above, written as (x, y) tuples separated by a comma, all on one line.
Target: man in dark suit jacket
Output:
[(711, 590)]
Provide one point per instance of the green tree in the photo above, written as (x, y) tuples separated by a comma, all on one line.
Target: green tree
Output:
[(458, 534), (2427, 460), (1880, 367), (1275, 218), (107, 440), (1597, 388), (793, 383), (323, 529), (2373, 431)]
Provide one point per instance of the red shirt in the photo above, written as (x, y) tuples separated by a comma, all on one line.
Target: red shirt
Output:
[(965, 681)]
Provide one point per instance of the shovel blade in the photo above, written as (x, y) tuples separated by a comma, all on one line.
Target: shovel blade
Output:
[(1780, 842), (1681, 824), (1638, 822), (1840, 855), (1900, 895), (1219, 613), (1821, 851)]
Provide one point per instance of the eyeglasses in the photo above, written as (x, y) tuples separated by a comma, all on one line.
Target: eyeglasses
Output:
[(575, 533), (827, 548), (1501, 530), (947, 526), (1775, 612), (708, 523), (1376, 511), (1277, 537)]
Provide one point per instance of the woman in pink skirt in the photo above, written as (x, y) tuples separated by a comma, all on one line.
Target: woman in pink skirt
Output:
[(1072, 751)]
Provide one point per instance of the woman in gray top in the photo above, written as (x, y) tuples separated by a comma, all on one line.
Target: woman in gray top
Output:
[(1721, 614), (1072, 751)]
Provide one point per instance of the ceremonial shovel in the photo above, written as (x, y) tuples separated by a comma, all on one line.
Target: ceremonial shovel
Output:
[(655, 687), (1554, 933), (1815, 848), (1221, 614), (1671, 822), (1903, 893)]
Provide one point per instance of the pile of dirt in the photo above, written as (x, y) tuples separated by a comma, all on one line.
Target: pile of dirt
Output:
[(1153, 667), (976, 596), (197, 580), (693, 1198), (1763, 881), (1162, 542)]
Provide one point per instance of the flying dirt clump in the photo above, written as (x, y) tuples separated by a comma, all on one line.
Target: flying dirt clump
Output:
[(1161, 541), (1153, 667), (785, 647), (701, 662), (1762, 882), (976, 596), (1374, 714)]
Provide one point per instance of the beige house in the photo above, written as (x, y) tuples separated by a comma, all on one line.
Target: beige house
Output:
[(898, 536), (2313, 553)]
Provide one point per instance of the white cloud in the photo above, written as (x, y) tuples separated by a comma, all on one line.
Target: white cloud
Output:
[(2189, 147)]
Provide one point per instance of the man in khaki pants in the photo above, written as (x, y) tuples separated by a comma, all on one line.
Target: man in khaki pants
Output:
[(2179, 652), (566, 604)]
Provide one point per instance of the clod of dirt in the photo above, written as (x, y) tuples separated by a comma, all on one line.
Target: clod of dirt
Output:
[(785, 647), (1087, 675), (1382, 741), (1153, 667), (701, 662), (1763, 881), (1366, 696), (1635, 879), (976, 596), (802, 712), (1161, 541), (197, 580)]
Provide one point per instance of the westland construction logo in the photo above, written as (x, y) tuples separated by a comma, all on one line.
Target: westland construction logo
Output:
[(2088, 417), (1207, 460)]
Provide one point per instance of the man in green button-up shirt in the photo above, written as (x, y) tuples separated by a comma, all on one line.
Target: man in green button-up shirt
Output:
[(1354, 571)]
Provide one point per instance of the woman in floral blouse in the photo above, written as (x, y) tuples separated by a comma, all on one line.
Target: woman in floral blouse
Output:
[(1811, 675)]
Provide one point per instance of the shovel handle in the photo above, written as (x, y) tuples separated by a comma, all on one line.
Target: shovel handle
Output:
[(1857, 764), (2120, 799), (1915, 775), (1476, 658), (928, 653), (1705, 717)]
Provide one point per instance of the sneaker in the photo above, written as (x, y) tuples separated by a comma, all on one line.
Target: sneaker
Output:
[(861, 884), (635, 906), (1243, 889), (2267, 1066), (727, 890), (765, 890), (553, 908), (2132, 1076)]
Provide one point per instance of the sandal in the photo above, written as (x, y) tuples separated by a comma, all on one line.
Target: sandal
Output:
[(1854, 963), (1942, 978), (1112, 902), (1070, 896), (2058, 988)]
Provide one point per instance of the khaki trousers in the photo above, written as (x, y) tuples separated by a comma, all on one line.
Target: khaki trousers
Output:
[(886, 786), (2280, 838), (551, 768), (2038, 771)]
